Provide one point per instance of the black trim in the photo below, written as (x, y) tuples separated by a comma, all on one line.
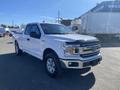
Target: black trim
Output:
[(90, 55), (83, 43)]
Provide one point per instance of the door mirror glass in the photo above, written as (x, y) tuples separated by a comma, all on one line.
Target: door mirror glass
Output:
[(74, 28), (34, 35)]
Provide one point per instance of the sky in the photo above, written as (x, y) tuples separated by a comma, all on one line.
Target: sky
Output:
[(25, 11)]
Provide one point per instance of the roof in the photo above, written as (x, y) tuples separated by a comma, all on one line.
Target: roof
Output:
[(106, 6), (41, 23)]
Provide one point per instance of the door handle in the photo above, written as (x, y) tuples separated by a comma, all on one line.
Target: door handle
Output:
[(28, 39)]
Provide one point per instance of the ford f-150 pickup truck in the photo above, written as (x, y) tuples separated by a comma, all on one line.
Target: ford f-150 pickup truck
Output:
[(58, 47)]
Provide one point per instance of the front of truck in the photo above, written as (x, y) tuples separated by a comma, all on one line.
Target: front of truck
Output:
[(81, 54), (75, 51)]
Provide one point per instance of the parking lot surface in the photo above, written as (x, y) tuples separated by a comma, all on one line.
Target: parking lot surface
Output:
[(27, 73)]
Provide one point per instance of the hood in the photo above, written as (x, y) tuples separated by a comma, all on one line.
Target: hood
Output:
[(72, 37)]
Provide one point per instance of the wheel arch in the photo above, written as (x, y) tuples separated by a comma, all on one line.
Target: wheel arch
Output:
[(49, 50), (16, 42)]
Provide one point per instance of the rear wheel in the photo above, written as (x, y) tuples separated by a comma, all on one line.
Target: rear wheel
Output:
[(52, 65), (18, 52)]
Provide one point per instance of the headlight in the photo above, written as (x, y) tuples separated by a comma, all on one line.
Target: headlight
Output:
[(71, 49)]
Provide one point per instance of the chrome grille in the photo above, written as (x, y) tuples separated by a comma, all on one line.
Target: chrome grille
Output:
[(90, 49), (87, 48)]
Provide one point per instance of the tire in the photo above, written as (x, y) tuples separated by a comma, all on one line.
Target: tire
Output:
[(52, 65), (18, 52)]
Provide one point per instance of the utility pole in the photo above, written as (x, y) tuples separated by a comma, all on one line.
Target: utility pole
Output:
[(58, 16), (12, 22)]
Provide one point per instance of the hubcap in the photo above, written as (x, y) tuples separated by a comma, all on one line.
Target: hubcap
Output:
[(50, 65)]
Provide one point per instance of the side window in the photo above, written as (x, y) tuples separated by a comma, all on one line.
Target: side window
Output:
[(35, 29), (28, 30)]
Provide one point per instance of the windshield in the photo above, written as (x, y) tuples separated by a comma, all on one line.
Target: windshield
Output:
[(55, 29)]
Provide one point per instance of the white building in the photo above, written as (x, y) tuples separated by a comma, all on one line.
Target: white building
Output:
[(102, 19)]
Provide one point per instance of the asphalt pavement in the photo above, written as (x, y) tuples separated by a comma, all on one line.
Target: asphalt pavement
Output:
[(27, 73)]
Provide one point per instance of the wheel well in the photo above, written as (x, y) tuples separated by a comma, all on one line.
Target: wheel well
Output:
[(49, 50), (16, 41)]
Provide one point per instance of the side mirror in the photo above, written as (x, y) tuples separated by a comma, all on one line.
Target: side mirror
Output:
[(34, 35), (74, 28)]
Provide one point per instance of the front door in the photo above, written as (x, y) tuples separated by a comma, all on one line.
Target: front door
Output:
[(26, 39), (35, 41)]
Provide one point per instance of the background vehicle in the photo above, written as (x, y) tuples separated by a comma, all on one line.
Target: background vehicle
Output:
[(2, 32), (58, 47)]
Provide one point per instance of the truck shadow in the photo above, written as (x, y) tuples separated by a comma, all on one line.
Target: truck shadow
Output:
[(27, 73)]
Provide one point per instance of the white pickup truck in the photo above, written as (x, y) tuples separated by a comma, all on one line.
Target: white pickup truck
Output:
[(58, 47)]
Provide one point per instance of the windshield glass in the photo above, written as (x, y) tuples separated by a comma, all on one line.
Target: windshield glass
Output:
[(55, 29)]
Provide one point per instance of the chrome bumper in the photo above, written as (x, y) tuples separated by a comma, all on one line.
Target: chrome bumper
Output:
[(79, 64)]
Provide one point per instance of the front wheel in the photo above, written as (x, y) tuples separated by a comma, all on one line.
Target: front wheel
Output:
[(52, 65)]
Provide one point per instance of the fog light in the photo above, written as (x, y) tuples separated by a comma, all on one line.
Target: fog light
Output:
[(73, 64), (69, 63)]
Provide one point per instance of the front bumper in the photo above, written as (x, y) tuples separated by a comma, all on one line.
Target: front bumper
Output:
[(79, 64)]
